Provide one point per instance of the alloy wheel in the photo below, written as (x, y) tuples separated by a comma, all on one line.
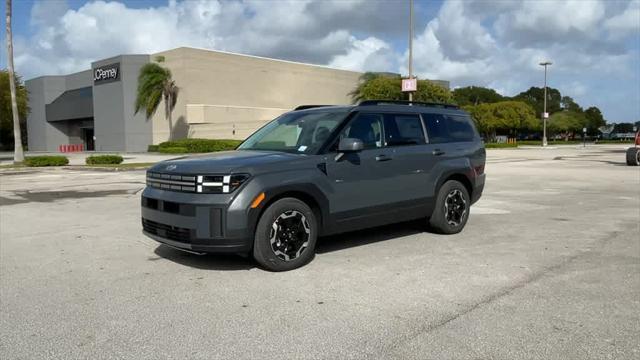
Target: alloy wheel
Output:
[(455, 207), (289, 235)]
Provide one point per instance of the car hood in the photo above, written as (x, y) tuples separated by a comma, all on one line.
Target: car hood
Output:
[(224, 162)]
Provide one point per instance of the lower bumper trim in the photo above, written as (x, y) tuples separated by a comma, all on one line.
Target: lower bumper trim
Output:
[(200, 249)]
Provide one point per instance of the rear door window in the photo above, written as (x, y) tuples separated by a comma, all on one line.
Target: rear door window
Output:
[(460, 128), (403, 129), (448, 128), (437, 130)]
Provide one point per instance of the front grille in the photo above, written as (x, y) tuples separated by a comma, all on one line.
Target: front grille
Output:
[(175, 182), (209, 184), (167, 231)]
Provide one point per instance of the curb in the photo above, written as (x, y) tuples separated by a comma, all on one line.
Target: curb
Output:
[(103, 168)]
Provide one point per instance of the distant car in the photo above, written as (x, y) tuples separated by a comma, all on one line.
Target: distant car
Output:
[(319, 170), (633, 153)]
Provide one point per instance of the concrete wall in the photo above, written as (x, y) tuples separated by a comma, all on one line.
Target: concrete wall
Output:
[(229, 96), (222, 95), (116, 126), (45, 136)]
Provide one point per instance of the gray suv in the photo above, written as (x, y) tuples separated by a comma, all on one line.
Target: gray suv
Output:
[(315, 171)]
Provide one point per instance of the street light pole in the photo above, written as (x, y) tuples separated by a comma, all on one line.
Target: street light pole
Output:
[(410, 45), (544, 112)]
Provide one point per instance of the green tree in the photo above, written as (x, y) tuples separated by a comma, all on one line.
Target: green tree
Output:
[(6, 114), (569, 104), (566, 123), (535, 97), (155, 84), (506, 117), (378, 86), (594, 119), (475, 95)]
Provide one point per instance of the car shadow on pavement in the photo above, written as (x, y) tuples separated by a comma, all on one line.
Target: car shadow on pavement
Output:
[(224, 262), (368, 236), (327, 244)]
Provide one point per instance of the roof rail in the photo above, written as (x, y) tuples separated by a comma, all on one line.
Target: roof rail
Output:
[(304, 107), (404, 102)]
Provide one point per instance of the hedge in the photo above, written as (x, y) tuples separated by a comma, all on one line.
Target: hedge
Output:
[(198, 145), (46, 160), (173, 150), (153, 148), (500, 145), (103, 159)]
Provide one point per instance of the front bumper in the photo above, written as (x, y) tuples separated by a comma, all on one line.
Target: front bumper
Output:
[(199, 223)]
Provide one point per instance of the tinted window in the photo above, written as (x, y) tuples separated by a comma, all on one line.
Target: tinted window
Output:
[(448, 128), (403, 129), (436, 128), (366, 127), (460, 128)]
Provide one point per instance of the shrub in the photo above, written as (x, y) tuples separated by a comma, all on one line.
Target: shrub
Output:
[(173, 150), (500, 145), (199, 145), (103, 159), (46, 160), (153, 148)]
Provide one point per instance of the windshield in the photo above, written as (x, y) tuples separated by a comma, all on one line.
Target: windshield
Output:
[(295, 132)]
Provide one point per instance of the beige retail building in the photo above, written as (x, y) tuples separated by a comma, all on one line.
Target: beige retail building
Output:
[(221, 96)]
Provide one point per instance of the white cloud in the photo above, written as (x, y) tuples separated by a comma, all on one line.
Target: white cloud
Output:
[(453, 24), (537, 22), (69, 40), (628, 22), (472, 42), (370, 54)]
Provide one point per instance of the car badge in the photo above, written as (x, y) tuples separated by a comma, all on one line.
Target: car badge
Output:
[(171, 167)]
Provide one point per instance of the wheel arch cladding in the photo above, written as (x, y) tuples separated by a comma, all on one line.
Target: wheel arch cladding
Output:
[(460, 178), (306, 193)]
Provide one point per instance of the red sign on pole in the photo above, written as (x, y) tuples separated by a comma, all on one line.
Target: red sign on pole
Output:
[(409, 85)]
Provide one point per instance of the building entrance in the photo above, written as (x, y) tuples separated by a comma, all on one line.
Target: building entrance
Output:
[(87, 137)]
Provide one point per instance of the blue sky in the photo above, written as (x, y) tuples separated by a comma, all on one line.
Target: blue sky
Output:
[(594, 44)]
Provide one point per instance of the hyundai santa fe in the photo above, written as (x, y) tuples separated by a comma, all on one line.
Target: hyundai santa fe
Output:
[(316, 171)]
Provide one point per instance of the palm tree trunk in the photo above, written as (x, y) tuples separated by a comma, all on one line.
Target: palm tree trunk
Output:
[(18, 155), (167, 108)]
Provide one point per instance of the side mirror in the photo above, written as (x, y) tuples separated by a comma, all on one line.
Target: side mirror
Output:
[(347, 145), (350, 145)]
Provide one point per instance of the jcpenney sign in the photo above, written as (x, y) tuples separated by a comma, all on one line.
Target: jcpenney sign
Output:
[(106, 74)]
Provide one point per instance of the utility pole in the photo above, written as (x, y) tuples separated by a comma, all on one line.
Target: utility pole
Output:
[(410, 45), (544, 112)]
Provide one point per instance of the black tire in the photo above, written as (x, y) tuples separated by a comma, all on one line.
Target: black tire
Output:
[(442, 223), (633, 156), (271, 225)]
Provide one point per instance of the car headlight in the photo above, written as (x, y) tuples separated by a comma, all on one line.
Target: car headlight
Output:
[(216, 184)]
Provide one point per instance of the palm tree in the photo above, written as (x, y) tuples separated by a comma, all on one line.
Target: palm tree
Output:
[(18, 153), (155, 84)]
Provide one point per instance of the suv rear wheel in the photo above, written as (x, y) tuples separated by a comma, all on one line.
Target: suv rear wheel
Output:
[(633, 156), (451, 209), (285, 236)]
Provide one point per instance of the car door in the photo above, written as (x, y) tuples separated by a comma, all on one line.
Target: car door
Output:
[(361, 181), (412, 160)]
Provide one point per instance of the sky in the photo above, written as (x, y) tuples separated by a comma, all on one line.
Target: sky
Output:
[(594, 44)]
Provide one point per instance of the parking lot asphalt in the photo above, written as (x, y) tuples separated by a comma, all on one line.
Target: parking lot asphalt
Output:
[(548, 267)]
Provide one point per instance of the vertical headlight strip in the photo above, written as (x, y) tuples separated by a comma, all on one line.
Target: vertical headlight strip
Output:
[(208, 183)]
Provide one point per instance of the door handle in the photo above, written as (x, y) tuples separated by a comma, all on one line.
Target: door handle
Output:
[(437, 152), (382, 158)]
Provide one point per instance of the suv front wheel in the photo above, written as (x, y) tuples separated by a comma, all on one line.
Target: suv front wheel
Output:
[(286, 235), (451, 209)]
